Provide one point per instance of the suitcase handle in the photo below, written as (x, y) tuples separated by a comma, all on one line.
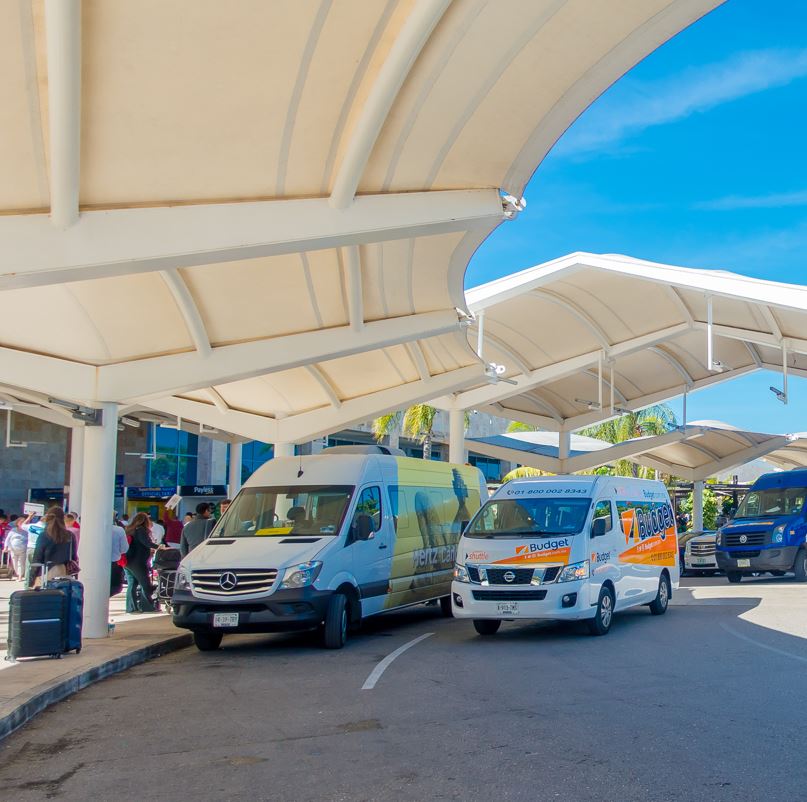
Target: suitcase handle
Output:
[(46, 567)]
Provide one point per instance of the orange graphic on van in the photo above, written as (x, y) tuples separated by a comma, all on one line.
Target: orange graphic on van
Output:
[(628, 519), (555, 551), (650, 534)]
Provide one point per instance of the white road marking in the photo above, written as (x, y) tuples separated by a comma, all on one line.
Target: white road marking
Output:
[(376, 673), (762, 645)]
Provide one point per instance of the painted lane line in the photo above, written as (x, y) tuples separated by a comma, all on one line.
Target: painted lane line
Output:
[(763, 645), (376, 673)]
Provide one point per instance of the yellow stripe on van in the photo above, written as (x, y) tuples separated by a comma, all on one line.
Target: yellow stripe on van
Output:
[(273, 531)]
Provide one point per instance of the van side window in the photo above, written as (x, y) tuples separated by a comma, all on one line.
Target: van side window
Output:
[(369, 504), (603, 510)]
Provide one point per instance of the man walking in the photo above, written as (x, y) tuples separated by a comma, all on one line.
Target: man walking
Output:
[(197, 530)]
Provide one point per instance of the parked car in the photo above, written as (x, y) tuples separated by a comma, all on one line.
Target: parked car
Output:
[(699, 554), (683, 539)]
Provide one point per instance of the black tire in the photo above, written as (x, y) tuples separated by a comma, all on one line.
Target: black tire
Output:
[(334, 633), (487, 626), (800, 566), (660, 604), (735, 577), (207, 640), (777, 573), (603, 618), (445, 607)]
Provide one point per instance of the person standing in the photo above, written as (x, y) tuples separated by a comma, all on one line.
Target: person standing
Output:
[(118, 545), (137, 572), (55, 547), (173, 530), (197, 530), (16, 546), (157, 531)]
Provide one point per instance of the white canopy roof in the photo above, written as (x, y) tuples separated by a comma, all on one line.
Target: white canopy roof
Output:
[(267, 186), (647, 324), (696, 451)]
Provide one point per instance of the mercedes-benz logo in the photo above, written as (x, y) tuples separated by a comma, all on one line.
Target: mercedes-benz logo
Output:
[(228, 580), (743, 538), (509, 576)]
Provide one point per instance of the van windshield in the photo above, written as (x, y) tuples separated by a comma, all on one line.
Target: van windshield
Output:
[(773, 501), (533, 517), (286, 511)]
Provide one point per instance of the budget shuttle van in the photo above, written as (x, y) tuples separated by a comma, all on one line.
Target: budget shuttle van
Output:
[(567, 548), (326, 540)]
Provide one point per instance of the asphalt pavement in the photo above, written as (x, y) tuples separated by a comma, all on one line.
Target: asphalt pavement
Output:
[(704, 703)]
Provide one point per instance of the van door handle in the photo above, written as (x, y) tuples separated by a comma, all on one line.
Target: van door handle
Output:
[(383, 546)]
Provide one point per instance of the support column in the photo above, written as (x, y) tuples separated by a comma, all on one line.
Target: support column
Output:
[(697, 506), (284, 449), (456, 437), (234, 479), (564, 446), (75, 479), (100, 446)]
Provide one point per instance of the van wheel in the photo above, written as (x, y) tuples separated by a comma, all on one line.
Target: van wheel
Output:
[(207, 641), (334, 633), (659, 605), (487, 626), (800, 566), (601, 623), (445, 607), (735, 577)]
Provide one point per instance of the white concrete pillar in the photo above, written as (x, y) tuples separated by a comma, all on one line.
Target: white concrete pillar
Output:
[(74, 481), (284, 449), (697, 506), (98, 493), (456, 437), (234, 483), (564, 445)]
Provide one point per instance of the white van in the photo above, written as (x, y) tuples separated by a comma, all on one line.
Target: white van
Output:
[(569, 548), (326, 540)]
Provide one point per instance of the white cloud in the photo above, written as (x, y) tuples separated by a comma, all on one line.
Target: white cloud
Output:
[(776, 200), (633, 106)]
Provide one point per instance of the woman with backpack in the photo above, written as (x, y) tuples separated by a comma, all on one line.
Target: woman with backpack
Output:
[(55, 548), (137, 570)]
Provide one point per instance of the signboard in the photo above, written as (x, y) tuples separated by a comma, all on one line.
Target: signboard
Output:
[(29, 507), (150, 492), (203, 490)]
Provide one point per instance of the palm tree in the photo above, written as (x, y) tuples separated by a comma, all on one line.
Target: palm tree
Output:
[(416, 422), (516, 426), (654, 420)]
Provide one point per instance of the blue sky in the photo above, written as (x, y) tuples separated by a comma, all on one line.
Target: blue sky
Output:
[(696, 158)]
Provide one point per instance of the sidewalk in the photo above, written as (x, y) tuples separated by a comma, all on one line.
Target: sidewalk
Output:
[(29, 686)]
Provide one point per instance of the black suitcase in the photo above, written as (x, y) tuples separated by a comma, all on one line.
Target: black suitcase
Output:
[(74, 591), (36, 626)]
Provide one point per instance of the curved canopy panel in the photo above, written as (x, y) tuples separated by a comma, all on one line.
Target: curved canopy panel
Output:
[(198, 195), (586, 337), (693, 452)]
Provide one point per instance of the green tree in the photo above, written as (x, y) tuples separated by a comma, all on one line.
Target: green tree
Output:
[(516, 426), (653, 420), (416, 422), (710, 507)]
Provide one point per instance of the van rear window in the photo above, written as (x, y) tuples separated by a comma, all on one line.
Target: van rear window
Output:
[(533, 517), (286, 511)]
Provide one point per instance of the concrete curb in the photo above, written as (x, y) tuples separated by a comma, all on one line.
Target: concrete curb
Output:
[(50, 693)]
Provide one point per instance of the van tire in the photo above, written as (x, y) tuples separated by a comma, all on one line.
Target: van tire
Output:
[(603, 618), (445, 607), (207, 640), (334, 633), (660, 604), (487, 626), (800, 566), (735, 577)]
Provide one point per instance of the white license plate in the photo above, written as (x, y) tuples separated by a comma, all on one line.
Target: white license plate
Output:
[(743, 563), (510, 608), (701, 561), (225, 619)]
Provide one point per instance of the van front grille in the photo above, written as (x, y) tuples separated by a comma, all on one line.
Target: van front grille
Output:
[(219, 581), (702, 549), (509, 595), (518, 576), (751, 539)]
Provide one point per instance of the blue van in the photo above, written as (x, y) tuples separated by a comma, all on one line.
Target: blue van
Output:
[(769, 530)]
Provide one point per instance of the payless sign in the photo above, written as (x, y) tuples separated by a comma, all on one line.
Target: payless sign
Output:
[(203, 490)]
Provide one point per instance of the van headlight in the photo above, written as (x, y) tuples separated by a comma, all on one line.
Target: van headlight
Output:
[(461, 573), (778, 535), (302, 575), (182, 580), (719, 538), (574, 571)]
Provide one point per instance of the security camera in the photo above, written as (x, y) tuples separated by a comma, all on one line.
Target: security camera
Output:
[(781, 396), (592, 405)]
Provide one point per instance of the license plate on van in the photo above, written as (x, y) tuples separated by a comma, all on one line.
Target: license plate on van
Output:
[(743, 563), (225, 619), (510, 608)]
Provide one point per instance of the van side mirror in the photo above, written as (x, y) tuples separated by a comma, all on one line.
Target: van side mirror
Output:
[(599, 527)]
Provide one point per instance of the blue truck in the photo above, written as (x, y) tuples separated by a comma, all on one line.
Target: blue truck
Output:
[(768, 532)]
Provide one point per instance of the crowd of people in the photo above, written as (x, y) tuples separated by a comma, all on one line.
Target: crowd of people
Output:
[(29, 541)]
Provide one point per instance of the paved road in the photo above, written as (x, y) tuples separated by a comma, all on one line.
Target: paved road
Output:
[(706, 703)]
